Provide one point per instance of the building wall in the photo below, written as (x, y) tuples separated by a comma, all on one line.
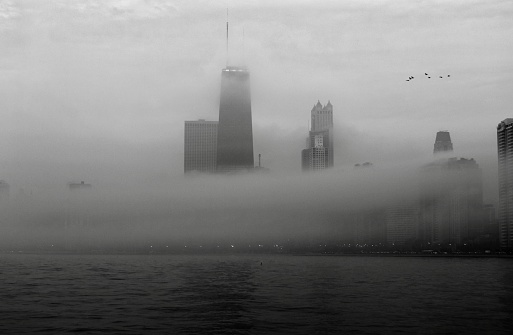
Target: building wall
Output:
[(505, 160), (320, 140), (401, 224), (442, 142), (235, 132), (451, 201)]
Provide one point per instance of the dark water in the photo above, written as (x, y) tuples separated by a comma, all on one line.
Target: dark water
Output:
[(223, 294)]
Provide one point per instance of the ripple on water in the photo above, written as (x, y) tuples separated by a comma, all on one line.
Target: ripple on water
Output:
[(235, 294)]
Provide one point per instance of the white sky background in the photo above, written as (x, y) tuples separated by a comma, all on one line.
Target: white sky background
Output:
[(99, 90)]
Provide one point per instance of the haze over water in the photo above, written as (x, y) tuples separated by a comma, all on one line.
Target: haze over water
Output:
[(98, 91)]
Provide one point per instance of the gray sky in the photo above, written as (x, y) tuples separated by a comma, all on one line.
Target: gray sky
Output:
[(99, 90)]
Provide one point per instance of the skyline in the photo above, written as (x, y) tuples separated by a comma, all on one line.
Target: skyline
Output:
[(110, 110), (106, 92)]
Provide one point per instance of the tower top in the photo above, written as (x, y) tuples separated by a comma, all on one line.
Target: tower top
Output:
[(442, 142), (227, 53), (443, 136)]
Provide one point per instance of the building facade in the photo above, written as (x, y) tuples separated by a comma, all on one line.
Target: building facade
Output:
[(318, 154), (401, 224), (200, 146), (235, 132), (505, 156), (451, 202)]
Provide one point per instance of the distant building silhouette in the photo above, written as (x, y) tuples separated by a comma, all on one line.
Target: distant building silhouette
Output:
[(401, 223), (318, 154), (363, 165), (442, 142), (78, 186), (451, 201), (78, 214), (200, 146), (4, 190), (235, 132), (505, 156)]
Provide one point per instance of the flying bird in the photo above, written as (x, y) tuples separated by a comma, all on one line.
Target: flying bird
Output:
[(440, 77), (425, 73), (448, 75)]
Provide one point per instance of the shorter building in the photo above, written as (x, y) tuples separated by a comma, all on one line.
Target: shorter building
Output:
[(78, 186), (200, 146), (443, 142)]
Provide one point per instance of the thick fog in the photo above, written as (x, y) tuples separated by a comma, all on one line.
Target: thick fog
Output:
[(208, 209), (99, 91)]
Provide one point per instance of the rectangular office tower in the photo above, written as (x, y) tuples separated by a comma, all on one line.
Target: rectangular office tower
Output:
[(505, 153), (318, 154), (235, 131), (200, 146)]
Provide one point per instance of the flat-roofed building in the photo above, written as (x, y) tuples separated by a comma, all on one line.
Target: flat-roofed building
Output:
[(505, 156)]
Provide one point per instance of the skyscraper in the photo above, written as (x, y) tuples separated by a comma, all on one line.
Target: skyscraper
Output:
[(505, 155), (200, 146), (235, 132), (442, 142), (318, 154), (451, 201)]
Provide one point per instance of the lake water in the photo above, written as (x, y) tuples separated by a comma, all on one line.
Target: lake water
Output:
[(254, 294)]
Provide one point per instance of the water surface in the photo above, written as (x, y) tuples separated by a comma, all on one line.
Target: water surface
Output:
[(254, 294)]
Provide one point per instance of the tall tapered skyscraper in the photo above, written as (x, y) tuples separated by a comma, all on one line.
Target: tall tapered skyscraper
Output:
[(505, 153), (235, 132)]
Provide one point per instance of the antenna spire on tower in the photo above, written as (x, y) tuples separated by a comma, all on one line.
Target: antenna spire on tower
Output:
[(227, 54)]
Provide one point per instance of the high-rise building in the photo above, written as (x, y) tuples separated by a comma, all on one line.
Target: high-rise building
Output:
[(505, 155), (451, 201), (200, 146), (318, 154), (235, 132), (442, 142)]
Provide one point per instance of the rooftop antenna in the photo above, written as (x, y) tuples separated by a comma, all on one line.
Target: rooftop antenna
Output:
[(227, 55)]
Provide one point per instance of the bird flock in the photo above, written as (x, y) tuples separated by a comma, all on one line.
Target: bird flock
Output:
[(410, 78)]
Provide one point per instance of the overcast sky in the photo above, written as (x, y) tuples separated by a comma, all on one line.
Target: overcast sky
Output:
[(99, 90)]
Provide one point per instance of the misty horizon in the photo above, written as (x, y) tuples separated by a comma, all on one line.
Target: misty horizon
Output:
[(99, 92)]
